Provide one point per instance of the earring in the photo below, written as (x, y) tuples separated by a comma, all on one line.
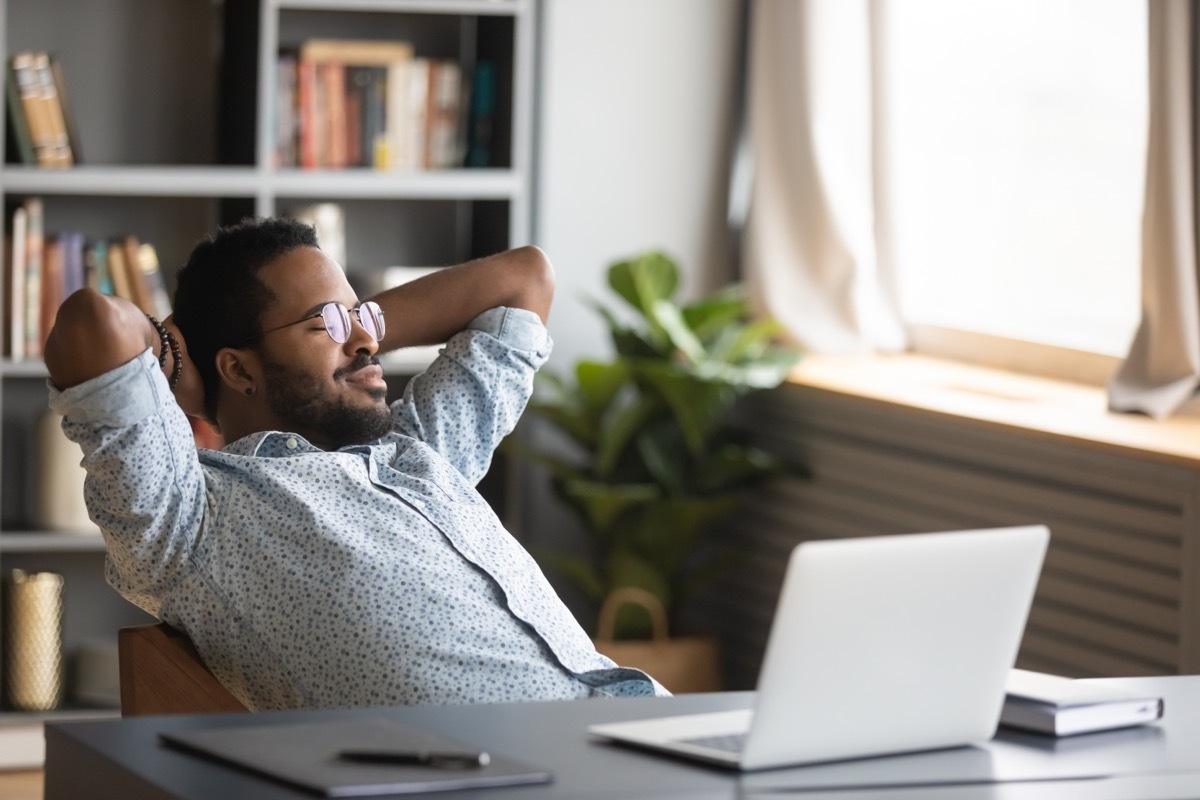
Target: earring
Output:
[(249, 391)]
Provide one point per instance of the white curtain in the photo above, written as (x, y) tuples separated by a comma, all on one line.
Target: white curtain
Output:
[(1162, 371), (811, 245)]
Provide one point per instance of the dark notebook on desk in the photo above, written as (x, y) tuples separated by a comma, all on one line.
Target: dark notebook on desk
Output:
[(306, 756)]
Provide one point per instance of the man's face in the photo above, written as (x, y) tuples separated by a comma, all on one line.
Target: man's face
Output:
[(332, 394)]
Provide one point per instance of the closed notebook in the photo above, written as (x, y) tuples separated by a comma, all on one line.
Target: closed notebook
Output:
[(1060, 706), (306, 756)]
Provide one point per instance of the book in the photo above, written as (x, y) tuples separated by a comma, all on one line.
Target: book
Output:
[(53, 286), (1036, 701), (157, 298), (482, 115), (64, 103), (34, 250), (96, 267), (56, 118), (341, 121), (139, 287), (74, 271), (118, 271), (27, 79), (16, 286), (443, 140), (20, 145), (416, 116), (306, 755), (286, 111)]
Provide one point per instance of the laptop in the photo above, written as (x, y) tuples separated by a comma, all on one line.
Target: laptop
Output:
[(879, 645)]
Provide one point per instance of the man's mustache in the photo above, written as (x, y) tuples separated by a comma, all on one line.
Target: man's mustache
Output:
[(361, 361)]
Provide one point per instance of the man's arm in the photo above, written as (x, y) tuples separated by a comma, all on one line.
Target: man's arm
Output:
[(431, 309), (94, 333)]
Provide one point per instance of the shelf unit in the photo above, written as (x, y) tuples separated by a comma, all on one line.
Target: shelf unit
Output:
[(176, 138)]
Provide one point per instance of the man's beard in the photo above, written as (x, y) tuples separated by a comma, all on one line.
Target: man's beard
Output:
[(296, 398)]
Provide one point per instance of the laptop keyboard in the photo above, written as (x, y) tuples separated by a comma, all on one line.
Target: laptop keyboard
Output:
[(727, 742)]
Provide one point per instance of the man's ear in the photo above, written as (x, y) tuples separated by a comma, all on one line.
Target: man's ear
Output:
[(239, 370)]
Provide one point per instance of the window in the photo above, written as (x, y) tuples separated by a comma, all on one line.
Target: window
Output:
[(1013, 137)]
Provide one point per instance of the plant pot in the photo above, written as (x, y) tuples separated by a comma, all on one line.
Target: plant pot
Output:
[(683, 664)]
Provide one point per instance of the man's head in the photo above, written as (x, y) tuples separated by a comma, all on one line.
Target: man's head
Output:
[(244, 304)]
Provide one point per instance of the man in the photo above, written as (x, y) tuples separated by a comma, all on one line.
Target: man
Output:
[(335, 552)]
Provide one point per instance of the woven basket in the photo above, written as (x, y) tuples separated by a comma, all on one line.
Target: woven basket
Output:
[(682, 664)]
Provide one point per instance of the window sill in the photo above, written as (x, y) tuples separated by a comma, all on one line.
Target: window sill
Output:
[(1054, 408)]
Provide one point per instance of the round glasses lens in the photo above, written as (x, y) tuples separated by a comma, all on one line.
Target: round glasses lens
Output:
[(337, 322), (371, 317)]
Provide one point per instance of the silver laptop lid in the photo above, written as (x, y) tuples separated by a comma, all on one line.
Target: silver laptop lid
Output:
[(893, 643)]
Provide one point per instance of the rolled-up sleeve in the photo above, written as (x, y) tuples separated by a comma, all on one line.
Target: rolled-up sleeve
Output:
[(474, 393), (144, 487)]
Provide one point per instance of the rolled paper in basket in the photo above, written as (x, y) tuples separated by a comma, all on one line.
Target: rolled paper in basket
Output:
[(33, 650)]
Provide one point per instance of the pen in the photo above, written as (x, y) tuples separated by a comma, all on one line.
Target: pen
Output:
[(427, 758)]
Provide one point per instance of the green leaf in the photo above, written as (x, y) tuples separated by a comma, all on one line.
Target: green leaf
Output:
[(559, 467), (733, 466), (618, 430), (599, 382), (752, 341), (710, 315), (644, 280), (603, 503), (669, 319), (698, 405), (667, 530), (665, 457), (765, 372)]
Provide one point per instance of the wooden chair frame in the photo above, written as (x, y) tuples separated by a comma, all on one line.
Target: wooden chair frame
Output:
[(161, 673)]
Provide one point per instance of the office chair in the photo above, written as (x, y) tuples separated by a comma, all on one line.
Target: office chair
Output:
[(161, 673)]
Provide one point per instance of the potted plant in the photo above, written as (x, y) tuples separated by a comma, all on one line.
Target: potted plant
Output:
[(652, 465)]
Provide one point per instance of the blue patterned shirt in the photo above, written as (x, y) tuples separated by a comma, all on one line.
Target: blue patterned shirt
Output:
[(373, 575)]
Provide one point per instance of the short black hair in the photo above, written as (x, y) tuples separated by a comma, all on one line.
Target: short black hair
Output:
[(219, 299)]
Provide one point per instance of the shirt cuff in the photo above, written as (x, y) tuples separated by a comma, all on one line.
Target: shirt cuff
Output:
[(516, 327), (113, 398)]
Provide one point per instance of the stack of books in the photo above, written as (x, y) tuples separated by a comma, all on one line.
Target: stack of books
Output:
[(351, 103), (39, 116), (42, 269)]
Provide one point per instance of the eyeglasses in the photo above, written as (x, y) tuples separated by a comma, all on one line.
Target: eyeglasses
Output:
[(336, 318)]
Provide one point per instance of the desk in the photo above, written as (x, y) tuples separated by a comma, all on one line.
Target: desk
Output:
[(123, 759)]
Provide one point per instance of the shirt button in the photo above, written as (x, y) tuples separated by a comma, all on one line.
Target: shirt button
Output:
[(292, 443), (418, 504)]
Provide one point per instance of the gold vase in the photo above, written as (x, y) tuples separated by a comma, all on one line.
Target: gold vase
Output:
[(33, 650)]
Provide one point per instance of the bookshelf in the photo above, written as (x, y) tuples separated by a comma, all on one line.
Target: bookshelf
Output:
[(176, 135)]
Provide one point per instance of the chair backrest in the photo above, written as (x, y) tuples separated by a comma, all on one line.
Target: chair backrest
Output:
[(161, 673)]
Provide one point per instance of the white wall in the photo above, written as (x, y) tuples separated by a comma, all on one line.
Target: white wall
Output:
[(635, 121)]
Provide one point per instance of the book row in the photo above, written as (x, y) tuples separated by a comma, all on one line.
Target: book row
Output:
[(42, 269), (39, 120), (373, 104)]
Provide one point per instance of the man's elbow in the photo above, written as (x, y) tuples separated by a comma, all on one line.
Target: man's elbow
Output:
[(92, 333), (537, 280)]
